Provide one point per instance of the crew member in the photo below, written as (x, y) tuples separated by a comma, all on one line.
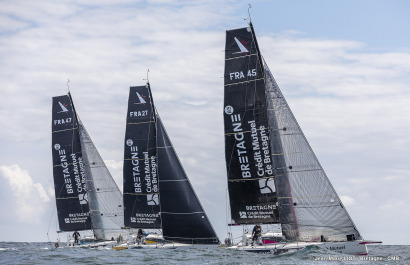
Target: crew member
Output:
[(256, 233), (140, 234), (76, 235)]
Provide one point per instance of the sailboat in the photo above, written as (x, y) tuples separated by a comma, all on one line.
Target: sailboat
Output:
[(273, 175), (157, 191), (87, 196)]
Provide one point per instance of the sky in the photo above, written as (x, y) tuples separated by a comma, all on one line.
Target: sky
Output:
[(343, 66)]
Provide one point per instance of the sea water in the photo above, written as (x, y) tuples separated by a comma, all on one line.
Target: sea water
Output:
[(45, 253)]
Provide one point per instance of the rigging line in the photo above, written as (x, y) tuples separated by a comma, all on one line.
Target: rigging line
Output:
[(49, 223)]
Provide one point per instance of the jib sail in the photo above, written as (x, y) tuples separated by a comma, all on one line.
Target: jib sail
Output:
[(105, 198), (251, 187), (141, 187), (68, 168), (309, 206), (183, 218)]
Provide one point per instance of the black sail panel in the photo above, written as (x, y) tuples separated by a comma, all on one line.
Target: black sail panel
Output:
[(251, 184), (68, 168), (141, 187), (183, 218)]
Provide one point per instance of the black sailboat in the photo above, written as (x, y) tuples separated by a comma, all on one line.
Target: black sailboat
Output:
[(87, 196), (157, 191), (273, 175)]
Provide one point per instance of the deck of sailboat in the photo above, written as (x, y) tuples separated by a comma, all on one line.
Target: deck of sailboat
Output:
[(357, 247)]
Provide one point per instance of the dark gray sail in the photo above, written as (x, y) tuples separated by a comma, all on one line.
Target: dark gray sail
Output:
[(141, 187), (251, 187), (68, 167), (183, 218)]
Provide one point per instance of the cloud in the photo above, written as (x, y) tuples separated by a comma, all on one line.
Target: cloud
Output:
[(347, 201), (115, 168), (29, 199)]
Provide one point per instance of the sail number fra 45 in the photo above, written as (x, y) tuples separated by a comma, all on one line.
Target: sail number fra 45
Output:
[(240, 75)]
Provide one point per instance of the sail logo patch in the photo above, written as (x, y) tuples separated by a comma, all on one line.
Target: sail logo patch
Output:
[(135, 167), (152, 199), (141, 99), (267, 185), (240, 145), (63, 107), (129, 142), (241, 46), (83, 197), (229, 110)]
